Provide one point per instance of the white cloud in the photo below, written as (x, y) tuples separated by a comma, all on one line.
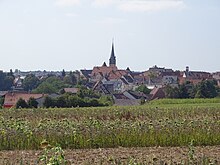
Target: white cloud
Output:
[(67, 2), (151, 5), (141, 5), (103, 3)]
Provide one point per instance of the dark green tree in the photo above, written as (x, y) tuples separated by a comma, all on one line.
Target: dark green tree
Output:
[(32, 103), (171, 92), (206, 89), (21, 103), (63, 73), (30, 82), (6, 81), (48, 102)]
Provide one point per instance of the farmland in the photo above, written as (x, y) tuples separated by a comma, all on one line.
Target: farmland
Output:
[(162, 123)]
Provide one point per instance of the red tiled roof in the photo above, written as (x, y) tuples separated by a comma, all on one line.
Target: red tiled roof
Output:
[(12, 98), (105, 70)]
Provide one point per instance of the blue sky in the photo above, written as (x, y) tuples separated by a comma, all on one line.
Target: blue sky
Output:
[(77, 34)]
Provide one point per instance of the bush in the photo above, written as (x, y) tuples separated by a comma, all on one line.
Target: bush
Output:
[(21, 103)]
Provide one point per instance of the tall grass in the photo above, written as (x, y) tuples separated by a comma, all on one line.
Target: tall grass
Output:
[(141, 126)]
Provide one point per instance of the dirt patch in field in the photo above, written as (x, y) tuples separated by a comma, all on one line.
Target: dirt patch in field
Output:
[(119, 155)]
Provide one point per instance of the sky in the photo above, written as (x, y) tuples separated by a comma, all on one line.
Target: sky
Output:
[(77, 34)]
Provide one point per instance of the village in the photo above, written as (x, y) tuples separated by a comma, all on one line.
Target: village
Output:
[(108, 80)]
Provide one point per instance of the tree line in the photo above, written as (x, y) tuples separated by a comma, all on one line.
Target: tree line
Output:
[(84, 98), (204, 89)]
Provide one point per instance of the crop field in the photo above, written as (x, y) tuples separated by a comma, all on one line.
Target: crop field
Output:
[(161, 124)]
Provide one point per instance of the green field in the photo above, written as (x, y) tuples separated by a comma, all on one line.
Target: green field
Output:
[(159, 123)]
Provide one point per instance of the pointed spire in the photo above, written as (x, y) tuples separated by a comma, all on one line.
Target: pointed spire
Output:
[(104, 64), (112, 60)]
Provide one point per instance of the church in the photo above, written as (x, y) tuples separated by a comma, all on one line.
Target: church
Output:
[(104, 71)]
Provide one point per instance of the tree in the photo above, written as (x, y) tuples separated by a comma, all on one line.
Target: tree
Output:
[(50, 85), (206, 89), (48, 102), (21, 103), (6, 81), (171, 92), (32, 103), (61, 102), (63, 73), (30, 82), (144, 89)]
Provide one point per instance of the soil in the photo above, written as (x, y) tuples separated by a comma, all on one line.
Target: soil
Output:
[(147, 155)]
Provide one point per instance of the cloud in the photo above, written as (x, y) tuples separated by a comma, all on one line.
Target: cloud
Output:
[(65, 3), (151, 5), (141, 5), (103, 3)]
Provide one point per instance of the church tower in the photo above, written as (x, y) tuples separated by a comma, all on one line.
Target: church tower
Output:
[(112, 60)]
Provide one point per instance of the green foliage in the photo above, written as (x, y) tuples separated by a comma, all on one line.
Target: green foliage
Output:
[(53, 156), (48, 102), (185, 101), (204, 89), (6, 81), (21, 103), (32, 103), (171, 92), (1, 101), (68, 100), (107, 127), (144, 89), (50, 85), (30, 82)]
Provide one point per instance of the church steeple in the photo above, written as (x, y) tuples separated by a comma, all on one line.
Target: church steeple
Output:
[(112, 60)]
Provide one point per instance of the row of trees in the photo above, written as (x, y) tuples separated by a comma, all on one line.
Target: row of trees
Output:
[(68, 101), (31, 103), (204, 89)]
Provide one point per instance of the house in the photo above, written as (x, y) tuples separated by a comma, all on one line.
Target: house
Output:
[(194, 76), (103, 89), (121, 100), (216, 76), (11, 98), (157, 93)]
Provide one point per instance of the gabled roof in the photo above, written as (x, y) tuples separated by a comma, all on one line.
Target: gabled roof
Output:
[(157, 93), (128, 78), (86, 73), (137, 95), (124, 81), (119, 96), (12, 98), (105, 70), (99, 86)]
